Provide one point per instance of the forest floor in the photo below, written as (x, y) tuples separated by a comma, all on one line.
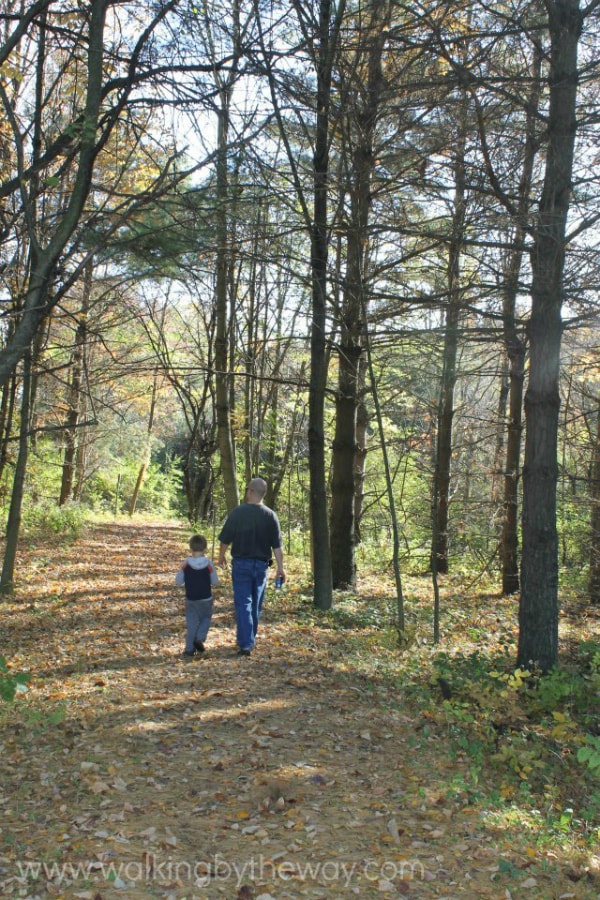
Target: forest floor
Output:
[(321, 767)]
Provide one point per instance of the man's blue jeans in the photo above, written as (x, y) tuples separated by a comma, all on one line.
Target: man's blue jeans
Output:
[(249, 577)]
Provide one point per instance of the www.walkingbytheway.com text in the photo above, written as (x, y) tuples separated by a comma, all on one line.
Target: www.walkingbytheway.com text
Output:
[(217, 869)]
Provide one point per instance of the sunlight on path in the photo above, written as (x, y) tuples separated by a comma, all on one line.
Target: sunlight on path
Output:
[(286, 775)]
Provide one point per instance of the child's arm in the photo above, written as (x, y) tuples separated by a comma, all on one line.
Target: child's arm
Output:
[(179, 578), (214, 578)]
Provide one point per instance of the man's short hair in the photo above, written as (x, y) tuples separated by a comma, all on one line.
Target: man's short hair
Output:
[(258, 486)]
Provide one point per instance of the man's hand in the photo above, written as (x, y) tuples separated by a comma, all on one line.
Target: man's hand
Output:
[(222, 555)]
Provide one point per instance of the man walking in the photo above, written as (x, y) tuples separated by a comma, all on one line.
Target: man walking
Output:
[(252, 530)]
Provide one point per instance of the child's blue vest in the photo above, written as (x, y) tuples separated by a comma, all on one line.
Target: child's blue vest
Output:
[(197, 583)]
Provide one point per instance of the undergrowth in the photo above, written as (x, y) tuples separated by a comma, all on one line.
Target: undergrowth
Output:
[(11, 683), (526, 745), (45, 519)]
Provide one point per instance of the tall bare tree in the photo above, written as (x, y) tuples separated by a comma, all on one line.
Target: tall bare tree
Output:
[(320, 30), (514, 339), (538, 608), (365, 85), (74, 399), (453, 311)]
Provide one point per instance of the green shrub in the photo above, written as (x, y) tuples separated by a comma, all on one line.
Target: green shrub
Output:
[(49, 518), (10, 682), (111, 489), (589, 754)]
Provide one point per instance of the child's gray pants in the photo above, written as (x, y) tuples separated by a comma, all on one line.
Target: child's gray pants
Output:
[(198, 614)]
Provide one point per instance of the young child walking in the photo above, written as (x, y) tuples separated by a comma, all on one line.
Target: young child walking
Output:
[(198, 575)]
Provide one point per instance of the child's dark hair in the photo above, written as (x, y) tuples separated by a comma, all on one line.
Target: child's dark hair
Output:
[(198, 543)]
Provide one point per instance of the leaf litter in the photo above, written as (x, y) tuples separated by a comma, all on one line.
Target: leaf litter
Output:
[(129, 772)]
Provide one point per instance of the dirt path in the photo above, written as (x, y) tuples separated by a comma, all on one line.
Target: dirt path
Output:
[(287, 775)]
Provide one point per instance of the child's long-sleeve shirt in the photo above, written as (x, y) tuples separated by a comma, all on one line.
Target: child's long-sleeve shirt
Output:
[(198, 575)]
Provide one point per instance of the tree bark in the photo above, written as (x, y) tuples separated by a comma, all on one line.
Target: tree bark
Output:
[(510, 525), (224, 339), (223, 367), (515, 347), (7, 407), (500, 448), (361, 121), (147, 447), (594, 576), (443, 461), (538, 609), (74, 407), (360, 457), (323, 584), (13, 525)]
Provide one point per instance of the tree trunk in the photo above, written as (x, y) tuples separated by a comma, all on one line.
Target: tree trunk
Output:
[(515, 347), (400, 621), (500, 449), (360, 458), (6, 420), (442, 474), (286, 463), (81, 455), (74, 410), (147, 448), (342, 481), (361, 122), (223, 336), (223, 368), (323, 585), (538, 610), (594, 576), (444, 440), (250, 362), (13, 525), (510, 541)]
